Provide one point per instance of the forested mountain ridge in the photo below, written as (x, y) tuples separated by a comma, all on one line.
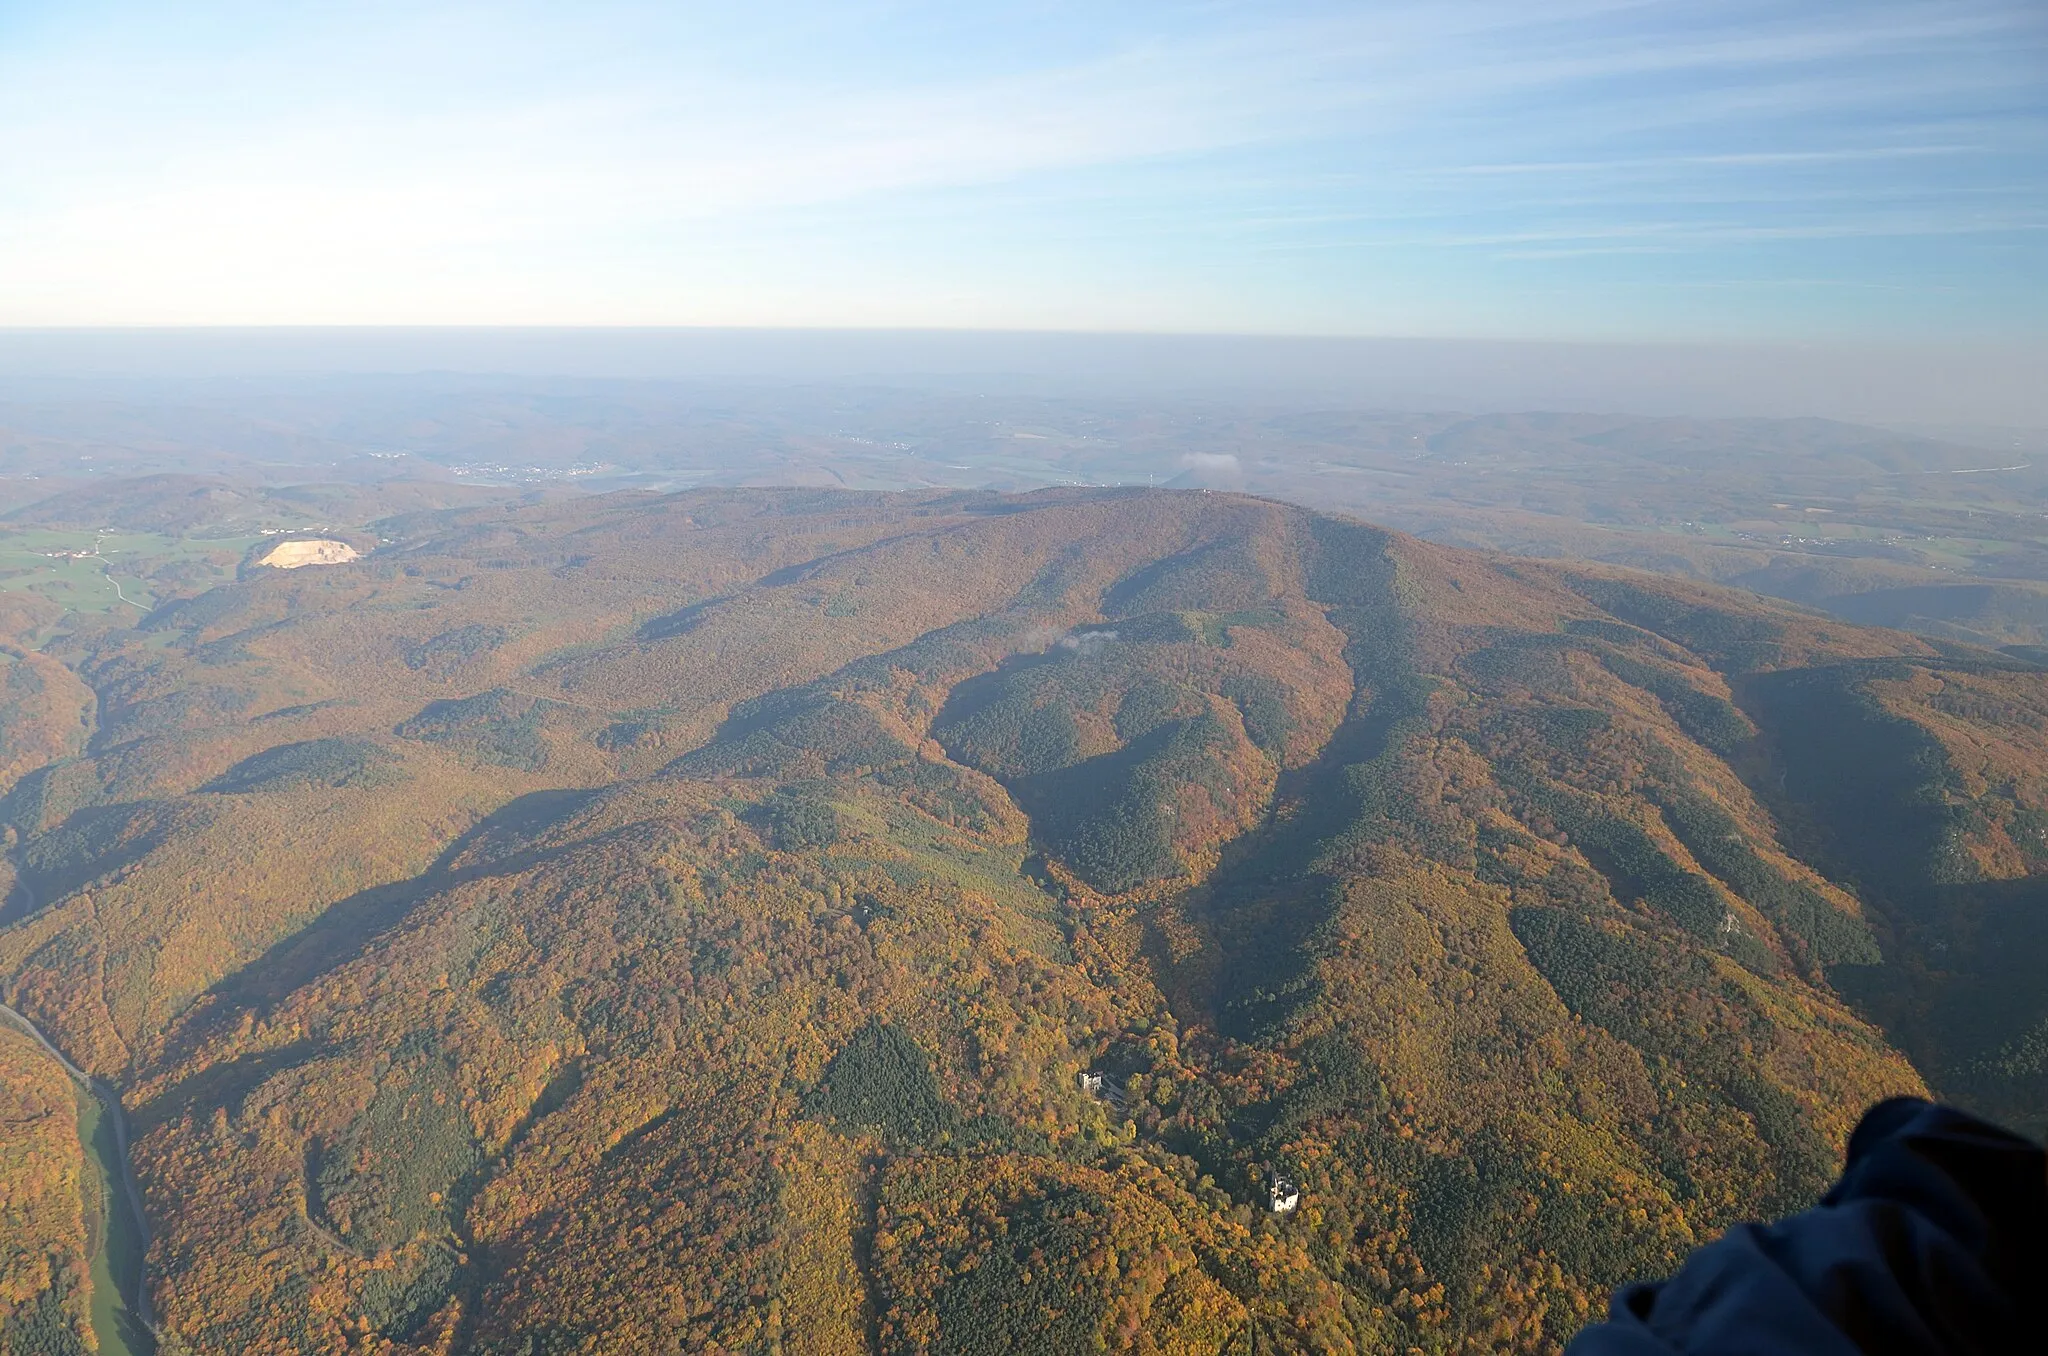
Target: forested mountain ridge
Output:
[(638, 924), (1875, 526)]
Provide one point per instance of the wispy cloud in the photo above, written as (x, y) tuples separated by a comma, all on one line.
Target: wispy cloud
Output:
[(1739, 160), (973, 164)]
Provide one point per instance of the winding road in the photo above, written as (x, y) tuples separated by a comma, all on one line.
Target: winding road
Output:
[(107, 569), (117, 590)]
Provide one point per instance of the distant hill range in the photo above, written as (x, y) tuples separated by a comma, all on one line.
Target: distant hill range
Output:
[(1813, 511), (836, 922), (221, 506)]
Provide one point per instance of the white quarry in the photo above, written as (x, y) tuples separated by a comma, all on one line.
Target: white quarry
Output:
[(293, 555)]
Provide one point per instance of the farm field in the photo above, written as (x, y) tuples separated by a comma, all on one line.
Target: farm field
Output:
[(113, 572)]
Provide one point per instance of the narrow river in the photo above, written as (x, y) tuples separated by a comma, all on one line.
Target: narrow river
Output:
[(119, 1238)]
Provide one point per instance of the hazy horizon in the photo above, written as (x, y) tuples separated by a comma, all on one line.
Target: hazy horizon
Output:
[(1978, 386), (1610, 206)]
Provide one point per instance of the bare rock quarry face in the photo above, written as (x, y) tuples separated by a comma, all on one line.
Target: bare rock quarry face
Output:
[(292, 555)]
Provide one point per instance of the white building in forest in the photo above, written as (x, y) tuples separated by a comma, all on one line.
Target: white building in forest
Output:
[(1098, 1086)]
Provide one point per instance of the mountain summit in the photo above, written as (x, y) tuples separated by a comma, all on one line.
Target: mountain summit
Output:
[(819, 922)]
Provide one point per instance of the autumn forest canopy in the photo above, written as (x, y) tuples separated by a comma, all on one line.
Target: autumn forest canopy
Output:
[(1028, 678), (844, 923)]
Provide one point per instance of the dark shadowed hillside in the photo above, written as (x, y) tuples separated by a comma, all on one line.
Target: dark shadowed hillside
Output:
[(640, 924)]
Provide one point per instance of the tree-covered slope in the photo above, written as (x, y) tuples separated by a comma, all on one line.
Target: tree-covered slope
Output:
[(681, 924), (46, 1205)]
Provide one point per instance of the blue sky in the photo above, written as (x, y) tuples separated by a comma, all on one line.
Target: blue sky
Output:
[(1799, 171)]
